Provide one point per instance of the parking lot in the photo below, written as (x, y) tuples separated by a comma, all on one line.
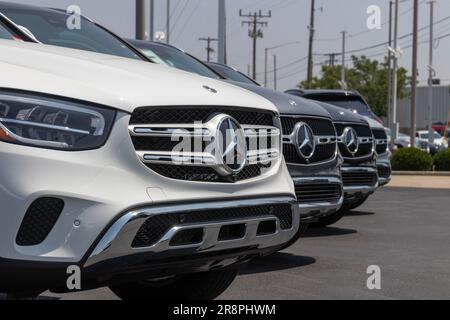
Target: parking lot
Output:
[(403, 231)]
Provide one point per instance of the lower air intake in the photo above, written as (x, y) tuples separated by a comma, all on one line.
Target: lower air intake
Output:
[(154, 228), (39, 220)]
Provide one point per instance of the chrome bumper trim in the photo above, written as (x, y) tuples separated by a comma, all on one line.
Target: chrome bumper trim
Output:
[(365, 189), (306, 209), (117, 241)]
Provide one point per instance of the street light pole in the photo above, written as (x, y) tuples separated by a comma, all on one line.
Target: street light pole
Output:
[(168, 22), (431, 75), (266, 58), (140, 20), (275, 72), (414, 73), (343, 86), (152, 20), (394, 125)]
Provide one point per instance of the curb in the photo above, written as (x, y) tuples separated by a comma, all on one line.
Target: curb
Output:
[(421, 173)]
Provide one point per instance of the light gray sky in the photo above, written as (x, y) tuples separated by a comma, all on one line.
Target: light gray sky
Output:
[(192, 19)]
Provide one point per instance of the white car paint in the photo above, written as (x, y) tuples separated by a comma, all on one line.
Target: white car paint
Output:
[(98, 185)]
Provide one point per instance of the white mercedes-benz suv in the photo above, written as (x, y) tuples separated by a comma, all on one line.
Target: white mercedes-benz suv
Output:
[(92, 176)]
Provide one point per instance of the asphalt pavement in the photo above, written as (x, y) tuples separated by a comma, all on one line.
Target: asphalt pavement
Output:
[(405, 232)]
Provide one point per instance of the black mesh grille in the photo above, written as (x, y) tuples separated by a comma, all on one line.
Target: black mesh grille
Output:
[(352, 179), (188, 114), (155, 227), (318, 192), (39, 220), (323, 153), (204, 174), (384, 172), (320, 127)]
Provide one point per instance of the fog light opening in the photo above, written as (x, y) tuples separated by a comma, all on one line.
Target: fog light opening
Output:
[(187, 237), (232, 232), (266, 228)]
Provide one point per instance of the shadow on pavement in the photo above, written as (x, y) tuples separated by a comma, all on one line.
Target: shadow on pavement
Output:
[(328, 232), (359, 213), (276, 262)]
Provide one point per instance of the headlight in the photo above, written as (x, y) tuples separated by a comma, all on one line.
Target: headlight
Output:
[(50, 123)]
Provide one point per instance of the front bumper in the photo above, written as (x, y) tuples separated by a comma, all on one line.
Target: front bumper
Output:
[(319, 189), (112, 259), (96, 186), (311, 210), (384, 169), (359, 181)]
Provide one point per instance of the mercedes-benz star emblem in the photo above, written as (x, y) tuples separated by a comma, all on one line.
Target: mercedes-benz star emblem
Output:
[(231, 146), (351, 141), (305, 141), (292, 103)]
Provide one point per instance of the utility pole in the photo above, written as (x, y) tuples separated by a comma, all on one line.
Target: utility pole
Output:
[(152, 20), (140, 20), (311, 41), (343, 85), (414, 73), (275, 72), (254, 23), (222, 33), (394, 125), (389, 99), (168, 21), (431, 75), (209, 49)]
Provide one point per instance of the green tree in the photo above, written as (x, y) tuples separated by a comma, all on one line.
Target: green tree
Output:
[(368, 77)]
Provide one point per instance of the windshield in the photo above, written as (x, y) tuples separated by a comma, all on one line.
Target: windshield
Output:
[(50, 27), (231, 74), (173, 57), (353, 104)]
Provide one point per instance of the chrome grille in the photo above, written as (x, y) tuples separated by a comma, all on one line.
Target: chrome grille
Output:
[(366, 142), (381, 141), (325, 140), (152, 132)]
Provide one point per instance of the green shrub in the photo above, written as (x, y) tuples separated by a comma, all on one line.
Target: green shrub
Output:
[(411, 159), (442, 161)]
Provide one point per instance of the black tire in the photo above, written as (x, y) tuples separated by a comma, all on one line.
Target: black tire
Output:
[(198, 286), (300, 233), (358, 203), (331, 219)]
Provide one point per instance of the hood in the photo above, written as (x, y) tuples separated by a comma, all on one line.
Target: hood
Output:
[(341, 114), (286, 103), (374, 124), (121, 83)]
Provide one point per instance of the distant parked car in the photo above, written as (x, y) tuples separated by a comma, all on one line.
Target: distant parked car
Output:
[(439, 143)]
